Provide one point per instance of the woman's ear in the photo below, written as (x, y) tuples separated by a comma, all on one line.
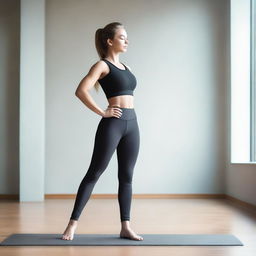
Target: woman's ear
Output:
[(109, 42)]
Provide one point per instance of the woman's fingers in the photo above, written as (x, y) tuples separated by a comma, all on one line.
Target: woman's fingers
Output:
[(118, 112), (112, 111)]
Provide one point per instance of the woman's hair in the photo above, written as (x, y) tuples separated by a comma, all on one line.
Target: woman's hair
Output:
[(101, 36)]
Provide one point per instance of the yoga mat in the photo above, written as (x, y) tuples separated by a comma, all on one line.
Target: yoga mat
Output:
[(114, 239)]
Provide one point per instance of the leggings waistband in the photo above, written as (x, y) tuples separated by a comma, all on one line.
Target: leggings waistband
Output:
[(127, 113)]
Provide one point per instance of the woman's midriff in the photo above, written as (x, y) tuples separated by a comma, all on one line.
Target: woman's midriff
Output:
[(122, 101)]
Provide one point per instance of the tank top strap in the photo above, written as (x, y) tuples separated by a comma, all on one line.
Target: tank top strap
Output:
[(104, 60), (108, 62), (124, 66)]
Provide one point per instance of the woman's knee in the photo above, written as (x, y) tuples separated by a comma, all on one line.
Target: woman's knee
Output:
[(93, 174), (125, 178)]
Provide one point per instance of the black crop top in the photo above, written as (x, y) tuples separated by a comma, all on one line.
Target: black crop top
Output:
[(117, 81)]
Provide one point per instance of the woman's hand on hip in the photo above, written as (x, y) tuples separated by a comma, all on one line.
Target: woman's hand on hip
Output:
[(112, 111)]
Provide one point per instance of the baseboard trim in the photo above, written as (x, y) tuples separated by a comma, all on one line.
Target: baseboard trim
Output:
[(231, 199), (113, 196), (137, 196), (241, 203)]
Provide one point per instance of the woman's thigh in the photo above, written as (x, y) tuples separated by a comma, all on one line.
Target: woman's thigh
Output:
[(128, 150), (107, 137)]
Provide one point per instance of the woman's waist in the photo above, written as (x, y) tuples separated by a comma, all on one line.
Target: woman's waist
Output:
[(127, 113), (122, 106), (121, 101)]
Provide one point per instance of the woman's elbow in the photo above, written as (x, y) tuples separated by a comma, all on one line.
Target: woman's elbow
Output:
[(78, 93)]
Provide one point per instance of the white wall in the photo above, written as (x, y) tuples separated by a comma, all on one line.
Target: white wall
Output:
[(32, 100), (179, 54)]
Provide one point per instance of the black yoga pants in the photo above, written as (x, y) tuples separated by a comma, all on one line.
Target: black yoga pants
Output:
[(112, 133)]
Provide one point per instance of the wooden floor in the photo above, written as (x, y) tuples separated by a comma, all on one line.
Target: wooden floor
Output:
[(148, 216)]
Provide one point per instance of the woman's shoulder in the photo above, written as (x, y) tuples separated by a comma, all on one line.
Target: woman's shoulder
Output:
[(103, 64), (100, 65)]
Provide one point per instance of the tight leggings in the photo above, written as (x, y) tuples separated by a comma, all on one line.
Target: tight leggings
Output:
[(112, 133)]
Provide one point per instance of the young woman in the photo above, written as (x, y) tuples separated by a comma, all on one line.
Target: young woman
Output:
[(118, 128)]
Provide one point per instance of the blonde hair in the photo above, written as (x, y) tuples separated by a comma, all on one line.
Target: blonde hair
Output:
[(101, 36)]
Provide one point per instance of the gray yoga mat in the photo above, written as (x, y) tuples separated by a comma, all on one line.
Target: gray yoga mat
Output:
[(114, 239)]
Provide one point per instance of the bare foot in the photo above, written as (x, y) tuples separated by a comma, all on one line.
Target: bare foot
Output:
[(129, 233), (70, 230)]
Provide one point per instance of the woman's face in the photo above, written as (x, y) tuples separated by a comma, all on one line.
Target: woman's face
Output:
[(120, 41)]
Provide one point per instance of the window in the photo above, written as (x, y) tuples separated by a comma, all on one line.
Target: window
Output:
[(253, 80), (242, 85)]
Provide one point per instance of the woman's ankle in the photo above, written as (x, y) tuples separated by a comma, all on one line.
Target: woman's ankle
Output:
[(125, 224), (73, 222)]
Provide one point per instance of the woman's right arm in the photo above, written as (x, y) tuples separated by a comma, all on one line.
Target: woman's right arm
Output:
[(86, 84)]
